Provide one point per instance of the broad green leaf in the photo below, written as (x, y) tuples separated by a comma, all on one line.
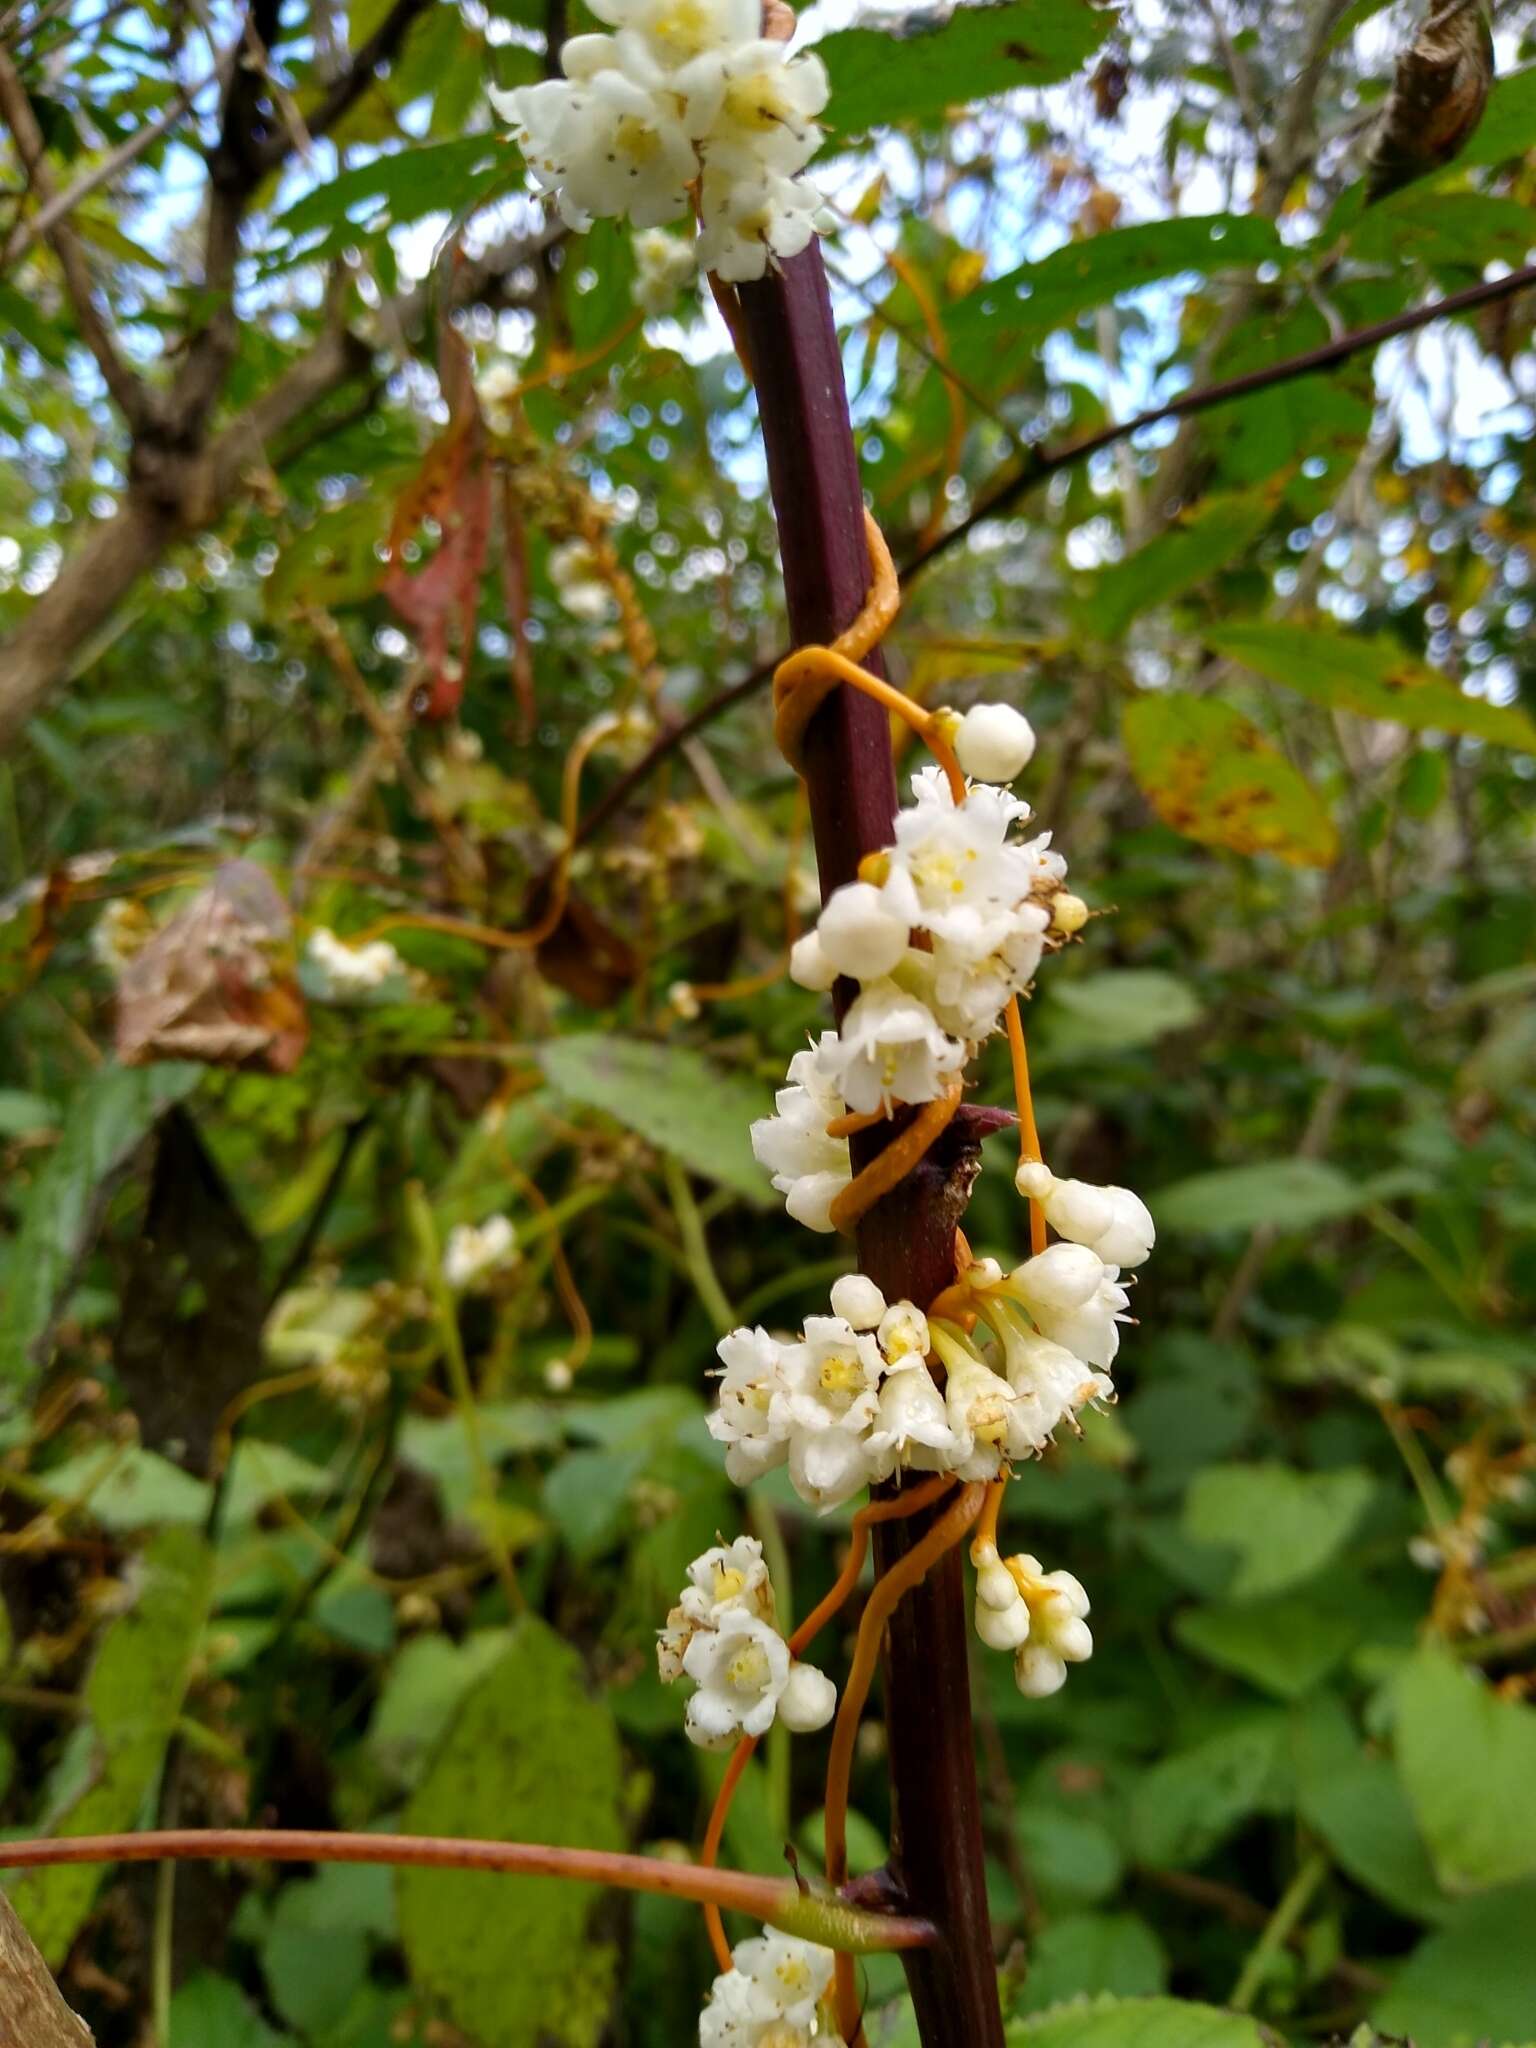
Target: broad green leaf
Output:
[(210, 2012), (1468, 1760), (1285, 1645), (23, 1115), (1116, 1008), (517, 1962), (915, 71), (1186, 1805), (1000, 324), (1282, 1525), (395, 189), (1178, 560), (678, 1100), (1291, 1194), (1508, 126), (129, 1488), (334, 561), (1355, 1800), (1468, 1984), (133, 1696), (1136, 2023), (1442, 229), (428, 1682), (107, 1119), (1210, 773), (1372, 676), (316, 1940), (1073, 1859), (1093, 1952)]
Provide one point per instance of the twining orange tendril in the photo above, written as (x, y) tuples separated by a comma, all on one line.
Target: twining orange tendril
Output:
[(938, 340), (891, 1166), (535, 934), (905, 1573), (855, 1121), (1029, 1137), (909, 1502), (986, 1522)]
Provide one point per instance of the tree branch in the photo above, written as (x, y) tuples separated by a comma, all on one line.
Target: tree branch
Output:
[(1042, 463), (32, 2012), (132, 395), (343, 94)]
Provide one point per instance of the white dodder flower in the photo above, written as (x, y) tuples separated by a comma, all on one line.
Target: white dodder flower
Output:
[(118, 933), (339, 973), (891, 1049), (746, 1680), (663, 265), (809, 1169), (1058, 1631), (475, 1251), (1074, 1299), (771, 1997), (574, 573)]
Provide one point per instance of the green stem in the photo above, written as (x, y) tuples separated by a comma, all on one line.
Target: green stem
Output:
[(1278, 1930), (161, 1953), (429, 1253), (690, 1228), (764, 1523)]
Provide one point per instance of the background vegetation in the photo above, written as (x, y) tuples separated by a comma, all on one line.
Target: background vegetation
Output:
[(293, 1536)]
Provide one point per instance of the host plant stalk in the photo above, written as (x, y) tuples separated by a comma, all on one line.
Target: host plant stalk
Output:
[(906, 1243)]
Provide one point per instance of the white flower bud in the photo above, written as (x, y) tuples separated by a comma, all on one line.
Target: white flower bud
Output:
[(994, 1584), (1034, 1179), (808, 1701), (857, 1299), (1003, 1628), (810, 1198), (860, 932), (1080, 1212), (1038, 1671), (809, 966), (994, 743), (1069, 913), (1064, 1276)]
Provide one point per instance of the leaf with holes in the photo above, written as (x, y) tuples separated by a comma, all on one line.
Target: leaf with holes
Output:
[(1210, 774)]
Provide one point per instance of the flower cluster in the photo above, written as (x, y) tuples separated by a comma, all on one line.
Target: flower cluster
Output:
[(809, 1169), (772, 1996), (685, 93), (341, 974), (940, 932), (1037, 1614), (722, 1635), (474, 1252), (847, 1404)]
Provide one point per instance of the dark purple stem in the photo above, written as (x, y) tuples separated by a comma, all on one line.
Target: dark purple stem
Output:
[(907, 1242)]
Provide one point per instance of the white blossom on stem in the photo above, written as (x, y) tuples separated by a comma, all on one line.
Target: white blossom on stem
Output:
[(809, 1169), (1111, 1221), (771, 1997)]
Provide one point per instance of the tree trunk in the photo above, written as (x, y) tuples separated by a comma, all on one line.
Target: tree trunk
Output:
[(32, 2011), (906, 1243)]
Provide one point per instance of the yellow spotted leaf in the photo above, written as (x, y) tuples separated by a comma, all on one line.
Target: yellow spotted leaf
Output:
[(1210, 773)]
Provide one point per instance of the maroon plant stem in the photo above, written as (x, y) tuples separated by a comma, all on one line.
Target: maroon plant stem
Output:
[(906, 1242)]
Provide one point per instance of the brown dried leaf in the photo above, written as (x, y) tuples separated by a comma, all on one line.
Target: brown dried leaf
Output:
[(1439, 91), (217, 982)]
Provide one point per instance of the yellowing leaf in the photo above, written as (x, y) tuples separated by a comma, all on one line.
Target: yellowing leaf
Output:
[(1209, 773), (1372, 676)]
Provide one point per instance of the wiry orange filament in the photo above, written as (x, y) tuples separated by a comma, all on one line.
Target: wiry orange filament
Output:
[(909, 1502), (1029, 1137), (946, 1531), (893, 1165)]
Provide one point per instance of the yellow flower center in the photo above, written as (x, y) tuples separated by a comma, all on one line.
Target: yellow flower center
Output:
[(728, 1582), (841, 1374), (748, 1670)]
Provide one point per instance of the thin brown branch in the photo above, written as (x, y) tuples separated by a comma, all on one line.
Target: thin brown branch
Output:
[(1045, 462), (779, 1901), (343, 94), (28, 233), (132, 395)]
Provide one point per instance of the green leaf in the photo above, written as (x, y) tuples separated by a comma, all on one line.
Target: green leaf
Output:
[(915, 70), (1210, 773), (1117, 1008), (1508, 126), (997, 327), (1136, 2023), (210, 2012), (1285, 1645), (133, 1696), (23, 1115), (1093, 1952), (1469, 1984), (1291, 1194), (401, 187), (1354, 1799), (517, 1962), (1191, 550), (1283, 1525), (1372, 676), (1073, 1860), (107, 1119), (1186, 1805), (679, 1101), (427, 1684), (128, 1489), (1468, 1760)]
